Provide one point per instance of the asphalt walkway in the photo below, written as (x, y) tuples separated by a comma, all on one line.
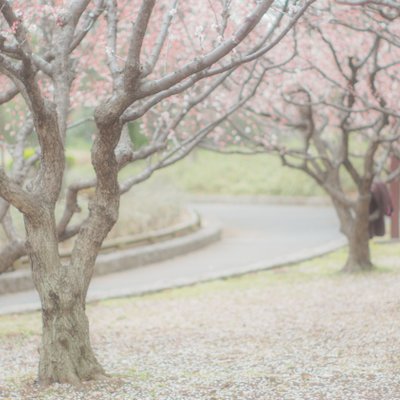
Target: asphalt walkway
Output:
[(254, 237)]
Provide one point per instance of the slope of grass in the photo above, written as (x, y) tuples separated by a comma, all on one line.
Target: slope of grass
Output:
[(205, 172), (211, 173)]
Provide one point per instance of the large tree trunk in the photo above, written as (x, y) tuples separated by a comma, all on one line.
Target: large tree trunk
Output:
[(354, 225), (66, 355), (359, 257)]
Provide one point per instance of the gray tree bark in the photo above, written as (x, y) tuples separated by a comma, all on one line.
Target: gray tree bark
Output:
[(66, 354), (354, 225)]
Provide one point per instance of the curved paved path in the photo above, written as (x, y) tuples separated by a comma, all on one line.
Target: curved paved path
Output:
[(254, 237), (262, 232)]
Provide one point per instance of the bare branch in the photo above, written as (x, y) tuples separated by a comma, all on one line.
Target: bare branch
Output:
[(111, 51), (88, 20), (155, 54), (133, 66), (15, 195), (8, 95), (202, 63), (11, 253)]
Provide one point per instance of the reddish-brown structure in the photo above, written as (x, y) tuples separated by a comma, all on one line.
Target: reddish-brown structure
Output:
[(395, 192)]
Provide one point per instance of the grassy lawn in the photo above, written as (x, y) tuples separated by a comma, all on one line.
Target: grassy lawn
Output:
[(303, 331), (206, 172), (212, 173)]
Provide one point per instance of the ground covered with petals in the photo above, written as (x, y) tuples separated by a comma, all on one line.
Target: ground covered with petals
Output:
[(300, 332)]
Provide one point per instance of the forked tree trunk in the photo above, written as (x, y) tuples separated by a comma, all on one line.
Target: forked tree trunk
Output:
[(66, 355)]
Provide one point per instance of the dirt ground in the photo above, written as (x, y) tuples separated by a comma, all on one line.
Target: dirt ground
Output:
[(303, 332)]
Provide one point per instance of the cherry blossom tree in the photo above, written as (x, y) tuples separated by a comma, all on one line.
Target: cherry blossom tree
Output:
[(333, 113), (151, 62)]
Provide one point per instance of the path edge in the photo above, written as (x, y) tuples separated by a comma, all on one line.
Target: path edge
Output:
[(190, 237)]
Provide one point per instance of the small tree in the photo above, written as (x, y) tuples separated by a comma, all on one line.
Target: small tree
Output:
[(333, 113), (158, 70)]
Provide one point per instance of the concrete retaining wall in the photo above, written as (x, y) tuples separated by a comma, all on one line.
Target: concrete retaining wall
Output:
[(120, 260)]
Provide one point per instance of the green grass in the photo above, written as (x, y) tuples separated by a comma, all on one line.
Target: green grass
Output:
[(208, 172), (20, 325), (205, 172)]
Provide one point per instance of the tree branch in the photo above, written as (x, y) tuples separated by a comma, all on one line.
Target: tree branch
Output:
[(15, 195), (133, 67), (204, 62)]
